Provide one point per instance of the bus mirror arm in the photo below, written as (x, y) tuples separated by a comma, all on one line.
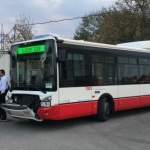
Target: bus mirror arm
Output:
[(10, 53), (61, 55), (7, 52), (13, 60)]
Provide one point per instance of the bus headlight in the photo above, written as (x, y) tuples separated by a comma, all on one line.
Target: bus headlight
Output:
[(46, 102)]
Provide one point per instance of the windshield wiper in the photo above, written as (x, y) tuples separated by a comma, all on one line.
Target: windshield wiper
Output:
[(40, 90), (28, 88)]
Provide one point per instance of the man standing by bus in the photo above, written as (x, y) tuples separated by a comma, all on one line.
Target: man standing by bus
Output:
[(3, 92)]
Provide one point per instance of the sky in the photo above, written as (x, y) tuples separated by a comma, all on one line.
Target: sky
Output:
[(49, 10)]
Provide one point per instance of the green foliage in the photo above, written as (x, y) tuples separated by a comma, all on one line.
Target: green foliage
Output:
[(125, 21), (88, 28), (22, 31)]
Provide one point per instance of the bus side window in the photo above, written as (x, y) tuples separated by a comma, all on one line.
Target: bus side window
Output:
[(128, 74), (66, 74), (144, 73), (104, 70), (74, 72)]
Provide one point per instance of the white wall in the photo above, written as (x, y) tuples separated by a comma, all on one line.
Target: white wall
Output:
[(5, 63)]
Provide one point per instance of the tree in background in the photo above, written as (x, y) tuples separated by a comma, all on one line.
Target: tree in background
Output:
[(88, 27), (117, 26), (141, 12), (22, 31), (125, 21)]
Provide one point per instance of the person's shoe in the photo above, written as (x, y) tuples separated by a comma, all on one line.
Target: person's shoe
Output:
[(3, 120), (3, 117)]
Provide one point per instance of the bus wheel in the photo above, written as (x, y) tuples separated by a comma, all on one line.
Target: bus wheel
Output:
[(103, 110)]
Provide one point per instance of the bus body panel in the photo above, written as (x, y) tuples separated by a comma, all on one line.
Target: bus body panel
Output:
[(66, 111), (74, 94), (97, 91), (129, 96), (129, 103), (144, 95)]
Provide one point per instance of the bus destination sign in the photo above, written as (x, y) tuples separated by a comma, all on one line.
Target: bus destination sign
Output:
[(31, 49)]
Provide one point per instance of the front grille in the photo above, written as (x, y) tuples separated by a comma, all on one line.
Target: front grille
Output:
[(32, 101), (14, 107)]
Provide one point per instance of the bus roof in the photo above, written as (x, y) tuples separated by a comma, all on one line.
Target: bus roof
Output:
[(108, 46), (137, 44), (124, 46)]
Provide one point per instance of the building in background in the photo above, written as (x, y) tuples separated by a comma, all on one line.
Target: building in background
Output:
[(5, 63)]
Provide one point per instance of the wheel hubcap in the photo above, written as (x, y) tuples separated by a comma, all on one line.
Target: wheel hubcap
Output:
[(107, 109)]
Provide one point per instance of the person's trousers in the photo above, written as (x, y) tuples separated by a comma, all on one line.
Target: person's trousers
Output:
[(2, 100)]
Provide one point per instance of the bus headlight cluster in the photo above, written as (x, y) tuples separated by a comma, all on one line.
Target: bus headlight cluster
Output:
[(46, 102)]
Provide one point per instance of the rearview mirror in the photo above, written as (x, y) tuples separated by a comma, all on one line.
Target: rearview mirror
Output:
[(13, 61)]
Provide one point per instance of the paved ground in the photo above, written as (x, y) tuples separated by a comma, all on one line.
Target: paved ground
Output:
[(129, 130)]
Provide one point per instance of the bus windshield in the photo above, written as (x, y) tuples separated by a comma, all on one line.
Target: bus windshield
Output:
[(34, 66)]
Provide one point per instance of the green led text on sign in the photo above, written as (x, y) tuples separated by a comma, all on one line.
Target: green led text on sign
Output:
[(31, 49)]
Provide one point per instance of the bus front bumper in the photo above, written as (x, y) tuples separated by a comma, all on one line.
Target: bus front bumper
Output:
[(20, 112)]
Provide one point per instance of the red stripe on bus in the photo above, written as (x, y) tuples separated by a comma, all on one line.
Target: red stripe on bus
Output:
[(131, 102), (66, 111), (51, 113), (144, 101), (72, 110)]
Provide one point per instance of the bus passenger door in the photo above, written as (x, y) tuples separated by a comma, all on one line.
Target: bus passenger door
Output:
[(74, 89), (144, 82), (129, 88)]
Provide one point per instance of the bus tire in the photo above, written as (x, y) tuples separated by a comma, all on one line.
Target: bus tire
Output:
[(103, 111)]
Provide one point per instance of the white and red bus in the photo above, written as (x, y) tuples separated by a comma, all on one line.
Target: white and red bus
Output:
[(54, 78)]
